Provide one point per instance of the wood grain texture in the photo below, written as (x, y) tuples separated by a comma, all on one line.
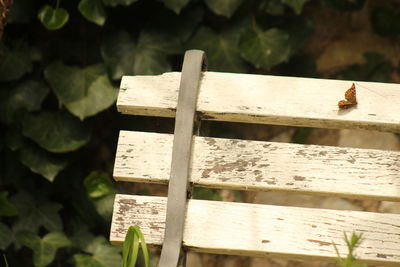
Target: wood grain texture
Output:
[(263, 230), (268, 99), (264, 166)]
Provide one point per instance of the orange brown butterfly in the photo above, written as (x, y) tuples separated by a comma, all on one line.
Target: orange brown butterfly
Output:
[(350, 97)]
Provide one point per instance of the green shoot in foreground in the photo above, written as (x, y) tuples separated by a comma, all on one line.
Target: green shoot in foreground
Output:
[(350, 260), (130, 248)]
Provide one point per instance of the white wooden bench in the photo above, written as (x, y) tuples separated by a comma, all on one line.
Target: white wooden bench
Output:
[(253, 229)]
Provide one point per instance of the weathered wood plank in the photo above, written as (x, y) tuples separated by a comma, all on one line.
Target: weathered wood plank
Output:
[(268, 99), (263, 230), (264, 166)]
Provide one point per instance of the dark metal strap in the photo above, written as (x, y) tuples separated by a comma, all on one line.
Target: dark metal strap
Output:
[(193, 64)]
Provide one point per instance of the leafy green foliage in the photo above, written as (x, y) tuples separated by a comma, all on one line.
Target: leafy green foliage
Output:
[(85, 92), (104, 206), (6, 208), (15, 60), (175, 5), (53, 18), (221, 49), (118, 2), (386, 21), (27, 96), (55, 131), (93, 10), (118, 52), (98, 184), (296, 5), (377, 68), (42, 162), (6, 236), (33, 214), (264, 49), (102, 254), (273, 7), (352, 243), (44, 249), (124, 56), (224, 8), (130, 250)]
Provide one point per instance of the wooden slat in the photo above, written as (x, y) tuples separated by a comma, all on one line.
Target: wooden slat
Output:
[(264, 166), (268, 99), (263, 230)]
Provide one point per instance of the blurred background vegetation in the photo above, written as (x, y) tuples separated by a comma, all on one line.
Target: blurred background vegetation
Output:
[(61, 62)]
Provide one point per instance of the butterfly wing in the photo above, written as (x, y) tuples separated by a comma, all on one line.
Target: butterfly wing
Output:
[(344, 104), (350, 94)]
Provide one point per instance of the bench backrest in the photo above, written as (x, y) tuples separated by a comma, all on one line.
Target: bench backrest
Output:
[(264, 230)]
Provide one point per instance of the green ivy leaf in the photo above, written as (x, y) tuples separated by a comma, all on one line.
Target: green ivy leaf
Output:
[(81, 237), (104, 206), (85, 92), (14, 138), (124, 56), (118, 2), (296, 5), (151, 53), (183, 26), (176, 5), (386, 21), (376, 69), (15, 61), (28, 96), (93, 10), (42, 162), (118, 52), (6, 208), (44, 249), (98, 184), (221, 49), (6, 236), (264, 49), (224, 8), (32, 215), (55, 131), (102, 254), (273, 7), (53, 19)]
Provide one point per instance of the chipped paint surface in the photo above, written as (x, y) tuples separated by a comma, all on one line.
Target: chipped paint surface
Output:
[(213, 227), (264, 166), (265, 99)]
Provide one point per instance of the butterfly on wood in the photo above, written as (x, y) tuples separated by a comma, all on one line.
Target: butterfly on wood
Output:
[(350, 97)]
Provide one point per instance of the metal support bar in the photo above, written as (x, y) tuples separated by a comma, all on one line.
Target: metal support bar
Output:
[(178, 188)]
